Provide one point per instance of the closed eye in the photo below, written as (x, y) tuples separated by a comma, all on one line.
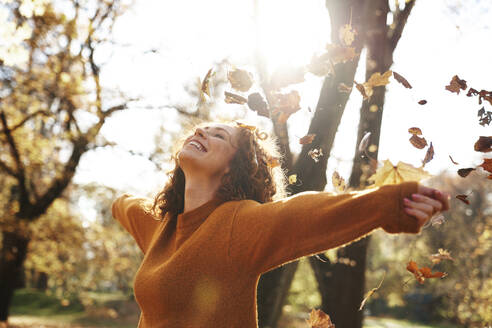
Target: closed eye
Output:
[(219, 136)]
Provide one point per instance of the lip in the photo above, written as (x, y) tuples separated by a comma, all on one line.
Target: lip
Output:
[(201, 144)]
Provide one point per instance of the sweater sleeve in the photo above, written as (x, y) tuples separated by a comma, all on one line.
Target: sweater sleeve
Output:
[(131, 213), (265, 236)]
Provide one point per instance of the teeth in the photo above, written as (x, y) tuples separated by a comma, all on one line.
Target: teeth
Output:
[(197, 145)]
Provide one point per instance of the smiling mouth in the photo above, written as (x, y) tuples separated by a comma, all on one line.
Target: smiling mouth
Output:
[(198, 146)]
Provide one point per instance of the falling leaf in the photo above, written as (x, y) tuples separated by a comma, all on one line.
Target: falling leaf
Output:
[(390, 174), (319, 319), (231, 98), (321, 65), (240, 80), (487, 164), (205, 88), (482, 95), (286, 76), (273, 162), (423, 273), (456, 84), (418, 142), (258, 104), (442, 254), (483, 144), (429, 155), (346, 34), (463, 198), (464, 172), (485, 117), (422, 102), (415, 131), (402, 80), (251, 128), (340, 54), (293, 179), (342, 87), (307, 139), (315, 154), (338, 182), (285, 104), (361, 89), (369, 293), (437, 220), (364, 142), (452, 160)]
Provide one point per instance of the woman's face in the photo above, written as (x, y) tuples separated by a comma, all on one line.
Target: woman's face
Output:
[(209, 151)]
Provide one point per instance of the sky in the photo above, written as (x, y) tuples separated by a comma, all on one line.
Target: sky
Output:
[(164, 46)]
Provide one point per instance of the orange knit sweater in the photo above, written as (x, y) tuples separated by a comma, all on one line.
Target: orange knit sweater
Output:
[(201, 268)]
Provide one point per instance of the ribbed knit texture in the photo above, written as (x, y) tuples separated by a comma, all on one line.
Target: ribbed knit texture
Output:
[(201, 268)]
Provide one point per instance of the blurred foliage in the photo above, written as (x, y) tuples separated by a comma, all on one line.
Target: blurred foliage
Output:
[(303, 293)]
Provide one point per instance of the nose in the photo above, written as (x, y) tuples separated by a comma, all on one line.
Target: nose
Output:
[(201, 133)]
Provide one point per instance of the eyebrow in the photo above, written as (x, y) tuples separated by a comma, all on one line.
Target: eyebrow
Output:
[(219, 128)]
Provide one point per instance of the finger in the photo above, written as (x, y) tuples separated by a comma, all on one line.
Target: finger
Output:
[(443, 197), (421, 217), (436, 204), (419, 206)]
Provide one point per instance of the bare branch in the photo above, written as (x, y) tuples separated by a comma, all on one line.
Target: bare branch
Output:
[(400, 20), (27, 118), (7, 169)]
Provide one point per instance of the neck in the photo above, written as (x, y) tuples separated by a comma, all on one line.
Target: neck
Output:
[(198, 192)]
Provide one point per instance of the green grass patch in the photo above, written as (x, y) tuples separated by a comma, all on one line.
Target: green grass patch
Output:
[(374, 322), (33, 302)]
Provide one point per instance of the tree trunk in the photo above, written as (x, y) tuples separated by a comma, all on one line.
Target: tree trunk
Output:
[(341, 285), (12, 257)]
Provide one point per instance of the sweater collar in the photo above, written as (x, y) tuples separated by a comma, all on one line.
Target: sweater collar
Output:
[(191, 220)]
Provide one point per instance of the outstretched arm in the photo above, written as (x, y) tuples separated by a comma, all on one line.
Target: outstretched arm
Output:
[(132, 214), (265, 236)]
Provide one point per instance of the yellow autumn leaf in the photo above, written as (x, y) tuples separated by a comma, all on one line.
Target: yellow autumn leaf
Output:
[(376, 80), (391, 174)]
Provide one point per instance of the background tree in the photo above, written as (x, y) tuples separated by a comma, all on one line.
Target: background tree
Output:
[(52, 109)]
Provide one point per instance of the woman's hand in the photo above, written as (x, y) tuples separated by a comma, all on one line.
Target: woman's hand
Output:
[(425, 203)]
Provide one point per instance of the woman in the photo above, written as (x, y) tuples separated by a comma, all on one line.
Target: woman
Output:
[(215, 228)]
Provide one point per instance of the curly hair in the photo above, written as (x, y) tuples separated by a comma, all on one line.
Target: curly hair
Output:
[(255, 174)]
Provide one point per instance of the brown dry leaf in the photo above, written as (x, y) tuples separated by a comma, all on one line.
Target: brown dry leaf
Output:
[(429, 155), (418, 142), (346, 34), (442, 254), (402, 80), (452, 160), (484, 95), (423, 273), (456, 85), (485, 117), (285, 104), (464, 172), (342, 87), (391, 174), (258, 104), (361, 89), (286, 76), (376, 80), (321, 65), (369, 293), (422, 102), (307, 139), (338, 182), (483, 144), (487, 164), (315, 154), (415, 131), (319, 319), (205, 87), (240, 80), (463, 198), (231, 98), (340, 54)]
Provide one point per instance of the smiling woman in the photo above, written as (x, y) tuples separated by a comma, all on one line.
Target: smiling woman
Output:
[(215, 228)]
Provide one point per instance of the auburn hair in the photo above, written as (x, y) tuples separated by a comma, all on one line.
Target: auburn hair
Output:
[(254, 173)]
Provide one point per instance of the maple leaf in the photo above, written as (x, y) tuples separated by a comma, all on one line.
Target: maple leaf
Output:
[(391, 174), (231, 98), (240, 80), (463, 198), (429, 155), (315, 154), (442, 254), (487, 164), (483, 144), (319, 319), (369, 293), (423, 273), (258, 104), (402, 80), (307, 139), (347, 34), (338, 182), (418, 142), (422, 102), (456, 85), (286, 76), (464, 172)]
